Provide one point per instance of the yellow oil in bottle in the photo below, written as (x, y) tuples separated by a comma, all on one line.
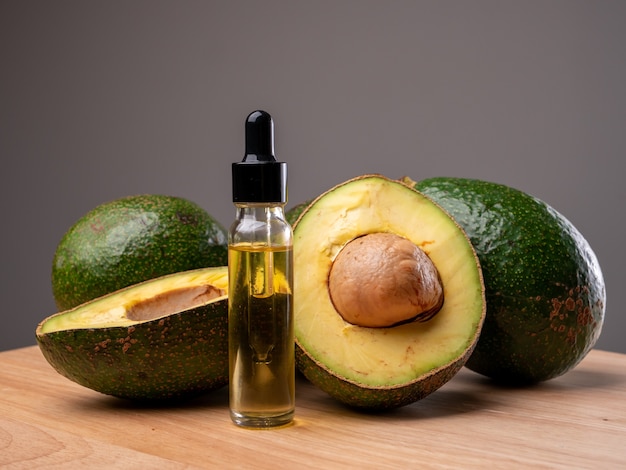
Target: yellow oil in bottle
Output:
[(261, 343)]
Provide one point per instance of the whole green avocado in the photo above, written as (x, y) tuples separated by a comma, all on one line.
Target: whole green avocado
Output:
[(130, 240), (544, 286)]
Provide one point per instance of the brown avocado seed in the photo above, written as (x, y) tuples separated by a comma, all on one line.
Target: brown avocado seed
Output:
[(382, 280)]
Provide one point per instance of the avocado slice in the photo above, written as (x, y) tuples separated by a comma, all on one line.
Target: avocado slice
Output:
[(544, 286), (160, 339), (132, 239), (396, 246)]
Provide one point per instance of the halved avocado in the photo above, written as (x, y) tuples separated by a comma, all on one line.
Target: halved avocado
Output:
[(371, 329), (161, 339)]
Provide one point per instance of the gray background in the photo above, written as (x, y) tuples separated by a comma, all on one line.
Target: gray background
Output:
[(100, 100)]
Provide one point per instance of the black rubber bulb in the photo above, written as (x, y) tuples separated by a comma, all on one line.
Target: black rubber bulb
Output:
[(259, 137)]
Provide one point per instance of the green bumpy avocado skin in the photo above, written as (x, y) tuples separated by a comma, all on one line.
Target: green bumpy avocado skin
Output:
[(176, 357), (544, 287), (180, 353), (130, 240)]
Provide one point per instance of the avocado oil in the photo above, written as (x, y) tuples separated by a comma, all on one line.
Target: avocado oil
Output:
[(260, 272)]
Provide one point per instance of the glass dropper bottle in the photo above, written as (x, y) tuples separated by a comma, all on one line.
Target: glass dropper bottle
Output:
[(260, 301)]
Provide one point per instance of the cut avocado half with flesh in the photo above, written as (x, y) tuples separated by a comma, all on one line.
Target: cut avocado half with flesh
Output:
[(161, 339), (392, 241)]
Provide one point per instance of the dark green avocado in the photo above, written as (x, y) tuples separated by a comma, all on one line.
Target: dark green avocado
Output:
[(132, 239), (544, 286)]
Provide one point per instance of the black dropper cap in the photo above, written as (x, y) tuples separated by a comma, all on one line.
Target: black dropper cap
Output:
[(259, 177)]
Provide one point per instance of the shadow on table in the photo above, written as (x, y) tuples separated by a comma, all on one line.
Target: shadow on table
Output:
[(215, 399)]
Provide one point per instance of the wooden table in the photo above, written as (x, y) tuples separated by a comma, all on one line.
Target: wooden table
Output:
[(575, 421)]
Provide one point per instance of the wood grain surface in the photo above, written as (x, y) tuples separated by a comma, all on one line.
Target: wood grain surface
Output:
[(575, 421)]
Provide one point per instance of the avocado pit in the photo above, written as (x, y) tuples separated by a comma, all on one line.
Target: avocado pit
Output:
[(169, 302), (383, 280)]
